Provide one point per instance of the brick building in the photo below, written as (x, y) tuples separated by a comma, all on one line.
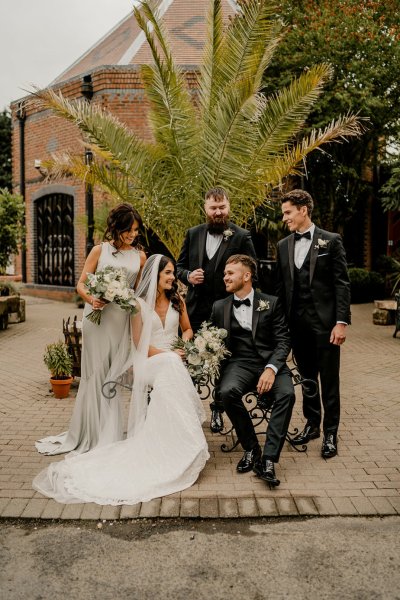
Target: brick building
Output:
[(108, 74)]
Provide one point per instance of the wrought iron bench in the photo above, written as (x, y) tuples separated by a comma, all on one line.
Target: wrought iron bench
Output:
[(258, 407)]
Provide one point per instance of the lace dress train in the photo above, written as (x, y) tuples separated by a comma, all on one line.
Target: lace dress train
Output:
[(164, 456)]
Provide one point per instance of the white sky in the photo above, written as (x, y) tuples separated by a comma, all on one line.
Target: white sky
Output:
[(39, 39)]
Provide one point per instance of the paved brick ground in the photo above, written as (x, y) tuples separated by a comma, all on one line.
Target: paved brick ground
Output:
[(364, 479)]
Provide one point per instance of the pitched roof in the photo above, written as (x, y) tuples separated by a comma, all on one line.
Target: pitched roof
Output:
[(185, 22)]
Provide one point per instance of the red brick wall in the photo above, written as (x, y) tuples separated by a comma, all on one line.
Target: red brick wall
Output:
[(117, 89)]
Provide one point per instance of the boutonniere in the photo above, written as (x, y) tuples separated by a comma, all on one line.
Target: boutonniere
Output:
[(321, 244), (263, 305), (227, 234)]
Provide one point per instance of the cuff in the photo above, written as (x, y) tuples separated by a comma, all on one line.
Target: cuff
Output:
[(269, 366)]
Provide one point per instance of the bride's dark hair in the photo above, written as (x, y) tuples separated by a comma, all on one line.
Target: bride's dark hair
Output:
[(120, 220), (172, 294)]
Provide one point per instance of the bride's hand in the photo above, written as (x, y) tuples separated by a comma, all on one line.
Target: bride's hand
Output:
[(180, 353)]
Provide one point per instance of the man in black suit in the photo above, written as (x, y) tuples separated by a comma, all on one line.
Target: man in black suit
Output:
[(313, 284), (201, 263), (259, 342)]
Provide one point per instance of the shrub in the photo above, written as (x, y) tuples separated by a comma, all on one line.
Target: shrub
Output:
[(58, 360), (11, 228), (366, 285)]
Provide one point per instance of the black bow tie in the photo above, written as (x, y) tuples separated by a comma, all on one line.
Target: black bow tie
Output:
[(238, 303), (299, 236)]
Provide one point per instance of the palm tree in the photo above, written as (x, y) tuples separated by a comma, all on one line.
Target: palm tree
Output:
[(229, 135)]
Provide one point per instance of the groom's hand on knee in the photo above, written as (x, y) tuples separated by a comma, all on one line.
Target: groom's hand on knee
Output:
[(266, 381)]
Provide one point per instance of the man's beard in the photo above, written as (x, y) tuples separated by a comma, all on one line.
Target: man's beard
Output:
[(217, 225)]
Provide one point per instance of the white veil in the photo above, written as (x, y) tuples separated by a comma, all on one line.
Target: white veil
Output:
[(141, 328), (129, 366)]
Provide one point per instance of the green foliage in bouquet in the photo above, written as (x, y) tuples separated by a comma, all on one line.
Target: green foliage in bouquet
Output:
[(204, 352)]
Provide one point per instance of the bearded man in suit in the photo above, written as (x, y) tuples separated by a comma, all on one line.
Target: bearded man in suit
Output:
[(201, 264), (259, 342), (313, 284)]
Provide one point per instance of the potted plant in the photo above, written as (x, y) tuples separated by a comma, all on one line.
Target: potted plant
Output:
[(59, 362)]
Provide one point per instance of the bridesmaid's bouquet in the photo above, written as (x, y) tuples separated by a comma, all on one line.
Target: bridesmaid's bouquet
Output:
[(110, 284), (204, 352)]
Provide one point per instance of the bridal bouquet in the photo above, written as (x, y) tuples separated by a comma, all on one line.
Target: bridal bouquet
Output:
[(204, 352), (110, 284)]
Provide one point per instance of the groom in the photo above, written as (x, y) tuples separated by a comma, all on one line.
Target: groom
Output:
[(201, 263), (259, 342)]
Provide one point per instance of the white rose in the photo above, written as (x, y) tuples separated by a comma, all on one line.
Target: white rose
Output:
[(194, 359), (200, 344), (208, 336)]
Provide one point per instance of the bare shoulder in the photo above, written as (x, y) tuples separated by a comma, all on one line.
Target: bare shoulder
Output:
[(95, 251), (142, 257)]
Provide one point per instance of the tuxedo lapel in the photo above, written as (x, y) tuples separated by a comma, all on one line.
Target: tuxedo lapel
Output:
[(290, 247), (228, 314), (221, 251), (224, 245), (256, 314), (314, 253), (202, 244)]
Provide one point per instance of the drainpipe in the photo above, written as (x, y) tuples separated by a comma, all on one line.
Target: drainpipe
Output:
[(21, 116), (87, 93)]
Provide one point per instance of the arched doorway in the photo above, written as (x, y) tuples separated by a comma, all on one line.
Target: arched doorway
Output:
[(55, 239)]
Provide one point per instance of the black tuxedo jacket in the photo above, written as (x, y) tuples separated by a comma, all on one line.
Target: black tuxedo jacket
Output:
[(270, 332), (192, 256), (329, 280)]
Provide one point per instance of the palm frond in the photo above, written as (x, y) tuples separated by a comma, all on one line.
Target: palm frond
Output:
[(101, 129), (172, 114), (209, 90), (249, 41)]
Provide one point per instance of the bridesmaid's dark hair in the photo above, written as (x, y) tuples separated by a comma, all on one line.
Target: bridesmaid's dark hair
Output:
[(120, 220), (172, 294)]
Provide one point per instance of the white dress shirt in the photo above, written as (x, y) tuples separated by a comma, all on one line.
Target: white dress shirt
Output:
[(213, 242), (302, 247), (244, 316)]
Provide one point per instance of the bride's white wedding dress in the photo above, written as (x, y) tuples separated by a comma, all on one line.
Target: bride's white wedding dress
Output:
[(165, 455)]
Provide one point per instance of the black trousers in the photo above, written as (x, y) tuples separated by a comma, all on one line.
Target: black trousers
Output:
[(316, 357), (240, 377)]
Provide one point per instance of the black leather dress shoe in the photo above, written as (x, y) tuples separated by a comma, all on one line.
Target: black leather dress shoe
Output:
[(249, 458), (329, 446), (310, 432), (217, 423), (265, 469)]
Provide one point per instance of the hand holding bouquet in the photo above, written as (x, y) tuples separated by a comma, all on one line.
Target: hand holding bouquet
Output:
[(110, 285), (204, 352)]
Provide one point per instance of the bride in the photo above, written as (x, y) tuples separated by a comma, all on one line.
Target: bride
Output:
[(166, 448)]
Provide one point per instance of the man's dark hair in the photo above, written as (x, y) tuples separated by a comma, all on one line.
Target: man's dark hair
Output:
[(218, 193), (247, 261), (300, 198)]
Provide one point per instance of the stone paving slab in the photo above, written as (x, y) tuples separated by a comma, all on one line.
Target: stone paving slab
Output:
[(364, 479)]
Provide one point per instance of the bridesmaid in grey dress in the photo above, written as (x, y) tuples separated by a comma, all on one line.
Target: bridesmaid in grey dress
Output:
[(100, 343)]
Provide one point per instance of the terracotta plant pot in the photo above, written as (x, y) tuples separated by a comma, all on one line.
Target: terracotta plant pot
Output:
[(61, 387)]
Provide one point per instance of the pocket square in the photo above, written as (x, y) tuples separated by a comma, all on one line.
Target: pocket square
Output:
[(325, 254)]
